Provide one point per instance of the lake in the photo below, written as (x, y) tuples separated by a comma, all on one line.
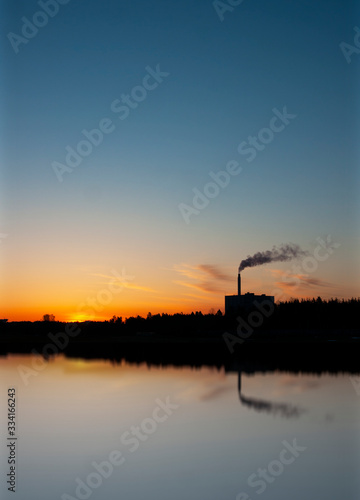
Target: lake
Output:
[(101, 430)]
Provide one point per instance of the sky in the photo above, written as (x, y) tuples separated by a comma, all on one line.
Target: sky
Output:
[(174, 93)]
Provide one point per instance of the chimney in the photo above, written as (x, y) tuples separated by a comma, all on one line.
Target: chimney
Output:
[(239, 284)]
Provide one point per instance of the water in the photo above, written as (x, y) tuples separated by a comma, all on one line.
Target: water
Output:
[(210, 443)]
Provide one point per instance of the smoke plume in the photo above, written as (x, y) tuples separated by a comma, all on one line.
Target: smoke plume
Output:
[(277, 254)]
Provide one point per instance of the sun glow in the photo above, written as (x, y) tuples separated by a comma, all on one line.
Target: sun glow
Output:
[(80, 317)]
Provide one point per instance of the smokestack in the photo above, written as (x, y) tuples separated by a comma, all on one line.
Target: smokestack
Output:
[(239, 284)]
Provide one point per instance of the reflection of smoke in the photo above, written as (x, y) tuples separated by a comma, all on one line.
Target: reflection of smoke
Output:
[(283, 409), (277, 254)]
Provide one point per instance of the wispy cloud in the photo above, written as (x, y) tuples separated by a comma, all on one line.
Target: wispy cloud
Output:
[(204, 287), (204, 277), (191, 296), (215, 272), (112, 280), (132, 286), (290, 281)]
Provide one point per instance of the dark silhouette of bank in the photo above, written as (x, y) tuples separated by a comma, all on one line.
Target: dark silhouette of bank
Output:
[(297, 334)]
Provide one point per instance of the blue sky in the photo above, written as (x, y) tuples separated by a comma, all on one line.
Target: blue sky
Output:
[(119, 207)]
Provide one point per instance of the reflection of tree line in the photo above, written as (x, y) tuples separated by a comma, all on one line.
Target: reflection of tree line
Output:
[(249, 358)]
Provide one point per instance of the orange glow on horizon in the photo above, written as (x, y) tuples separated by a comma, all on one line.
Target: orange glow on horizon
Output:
[(89, 298), (107, 314)]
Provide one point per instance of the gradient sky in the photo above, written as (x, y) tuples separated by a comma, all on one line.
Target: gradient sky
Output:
[(119, 209)]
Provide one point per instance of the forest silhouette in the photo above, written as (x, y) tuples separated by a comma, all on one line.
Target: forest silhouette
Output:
[(300, 335)]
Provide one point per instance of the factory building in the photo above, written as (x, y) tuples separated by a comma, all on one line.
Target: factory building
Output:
[(246, 301)]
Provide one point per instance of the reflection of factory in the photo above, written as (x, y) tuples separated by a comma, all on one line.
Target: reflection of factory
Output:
[(234, 302)]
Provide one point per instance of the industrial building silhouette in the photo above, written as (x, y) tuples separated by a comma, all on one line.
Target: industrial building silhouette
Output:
[(246, 301)]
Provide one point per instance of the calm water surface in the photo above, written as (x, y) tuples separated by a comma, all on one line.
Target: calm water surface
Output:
[(221, 436)]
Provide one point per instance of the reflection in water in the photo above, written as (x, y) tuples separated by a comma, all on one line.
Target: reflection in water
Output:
[(74, 412), (249, 359), (283, 409)]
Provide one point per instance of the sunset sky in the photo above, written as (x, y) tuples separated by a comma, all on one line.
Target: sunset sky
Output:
[(109, 235)]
